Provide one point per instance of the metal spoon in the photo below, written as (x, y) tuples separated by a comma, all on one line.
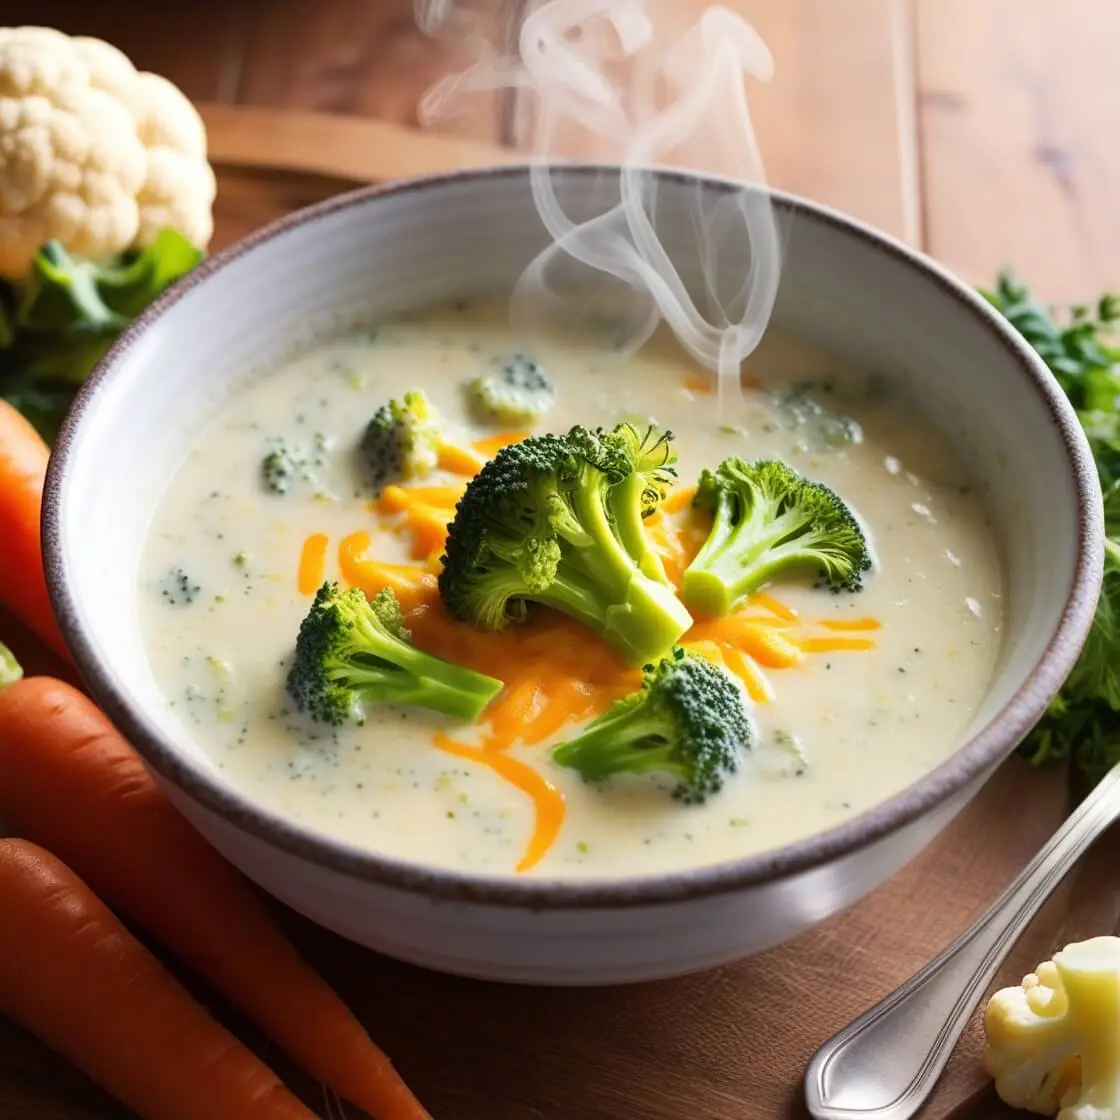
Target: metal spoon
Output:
[(885, 1063)]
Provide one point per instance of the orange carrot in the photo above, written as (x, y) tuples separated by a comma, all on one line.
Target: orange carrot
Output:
[(69, 782), (312, 564), (23, 587), (74, 976), (548, 801)]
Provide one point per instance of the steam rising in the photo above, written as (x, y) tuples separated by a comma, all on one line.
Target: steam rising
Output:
[(647, 92)]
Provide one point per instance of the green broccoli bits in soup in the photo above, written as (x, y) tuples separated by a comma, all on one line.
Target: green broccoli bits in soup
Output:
[(401, 441), (534, 607), (516, 393)]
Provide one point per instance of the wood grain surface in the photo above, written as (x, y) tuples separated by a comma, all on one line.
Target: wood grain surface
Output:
[(983, 133)]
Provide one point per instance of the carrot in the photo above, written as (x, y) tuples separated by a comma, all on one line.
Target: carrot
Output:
[(74, 976), (70, 782), (23, 587)]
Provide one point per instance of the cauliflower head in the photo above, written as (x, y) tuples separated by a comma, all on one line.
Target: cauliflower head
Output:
[(1053, 1042), (93, 153)]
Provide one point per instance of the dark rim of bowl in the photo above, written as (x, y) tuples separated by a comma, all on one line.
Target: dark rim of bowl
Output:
[(967, 764)]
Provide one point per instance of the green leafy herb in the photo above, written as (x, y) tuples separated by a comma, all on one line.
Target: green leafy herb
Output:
[(1083, 721), (58, 323)]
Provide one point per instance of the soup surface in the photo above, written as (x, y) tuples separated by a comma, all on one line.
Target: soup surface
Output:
[(882, 686)]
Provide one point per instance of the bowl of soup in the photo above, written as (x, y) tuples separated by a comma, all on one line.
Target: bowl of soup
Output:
[(215, 475)]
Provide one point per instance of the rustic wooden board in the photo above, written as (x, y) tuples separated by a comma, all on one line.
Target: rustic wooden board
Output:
[(837, 124), (1015, 120)]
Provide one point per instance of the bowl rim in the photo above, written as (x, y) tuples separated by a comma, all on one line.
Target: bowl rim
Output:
[(969, 763)]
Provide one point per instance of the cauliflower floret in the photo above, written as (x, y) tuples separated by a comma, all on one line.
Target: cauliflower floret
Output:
[(93, 153), (1053, 1043)]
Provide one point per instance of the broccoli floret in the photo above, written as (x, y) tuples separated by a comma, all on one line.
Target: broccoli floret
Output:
[(541, 523), (286, 464), (401, 441), (687, 720), (519, 393), (280, 468), (178, 588), (770, 520), (351, 650)]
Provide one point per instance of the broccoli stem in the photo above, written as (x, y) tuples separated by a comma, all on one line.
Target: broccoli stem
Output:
[(725, 570), (391, 671), (626, 507), (616, 747), (638, 617)]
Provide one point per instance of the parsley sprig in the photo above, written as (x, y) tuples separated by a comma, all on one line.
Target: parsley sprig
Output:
[(1077, 343)]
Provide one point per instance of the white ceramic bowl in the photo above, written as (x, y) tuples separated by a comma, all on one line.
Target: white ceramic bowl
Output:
[(400, 247)]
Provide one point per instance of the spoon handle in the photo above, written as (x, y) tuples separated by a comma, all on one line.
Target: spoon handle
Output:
[(885, 1063)]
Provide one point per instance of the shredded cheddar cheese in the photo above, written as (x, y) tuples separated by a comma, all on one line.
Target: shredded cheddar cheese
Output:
[(557, 672), (702, 384), (833, 645), (548, 801), (459, 460), (490, 447), (312, 564)]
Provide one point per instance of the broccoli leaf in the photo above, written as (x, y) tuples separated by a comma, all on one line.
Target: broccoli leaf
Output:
[(58, 323)]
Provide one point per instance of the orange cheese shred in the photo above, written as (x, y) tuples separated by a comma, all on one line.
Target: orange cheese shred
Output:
[(509, 715), (678, 499), (833, 645), (703, 384), (707, 648), (856, 624), (459, 460), (548, 801), (412, 585), (775, 606), (762, 642), (312, 564), (490, 446), (757, 686), (404, 499), (565, 703)]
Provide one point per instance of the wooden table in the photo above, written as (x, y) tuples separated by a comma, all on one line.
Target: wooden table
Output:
[(983, 132)]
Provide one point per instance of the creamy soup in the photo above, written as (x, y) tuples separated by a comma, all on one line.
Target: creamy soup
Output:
[(885, 681)]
